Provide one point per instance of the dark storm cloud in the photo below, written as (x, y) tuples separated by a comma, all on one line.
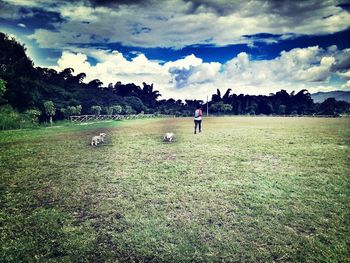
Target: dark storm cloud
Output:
[(10, 11), (113, 3), (345, 4), (296, 8), (223, 7), (43, 17), (220, 7), (280, 7), (155, 23), (342, 64)]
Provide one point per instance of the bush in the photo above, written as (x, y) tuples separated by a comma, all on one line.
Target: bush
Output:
[(96, 110), (9, 118), (109, 110), (128, 110), (117, 109), (12, 119), (71, 110), (32, 115)]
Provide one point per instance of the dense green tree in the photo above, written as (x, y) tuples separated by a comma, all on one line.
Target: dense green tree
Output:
[(28, 87), (2, 87), (50, 109), (117, 109), (221, 107), (128, 110), (95, 109), (281, 109), (33, 115), (226, 108), (216, 97), (94, 84), (109, 110), (264, 107), (2, 91), (72, 110), (333, 107), (135, 103), (227, 98)]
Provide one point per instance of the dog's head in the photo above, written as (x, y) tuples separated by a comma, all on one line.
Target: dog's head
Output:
[(169, 135), (102, 134)]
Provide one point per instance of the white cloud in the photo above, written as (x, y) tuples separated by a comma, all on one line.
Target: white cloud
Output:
[(184, 23), (319, 72), (205, 72), (185, 63), (21, 25), (301, 68), (180, 23), (345, 75), (113, 67), (347, 84), (76, 61)]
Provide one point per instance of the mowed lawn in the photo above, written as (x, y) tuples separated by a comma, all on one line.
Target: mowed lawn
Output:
[(245, 189)]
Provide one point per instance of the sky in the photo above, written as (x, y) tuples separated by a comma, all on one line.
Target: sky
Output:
[(190, 48)]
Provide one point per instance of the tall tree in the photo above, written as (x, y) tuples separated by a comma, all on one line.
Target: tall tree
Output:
[(226, 97), (216, 97), (2, 90), (50, 109), (96, 110)]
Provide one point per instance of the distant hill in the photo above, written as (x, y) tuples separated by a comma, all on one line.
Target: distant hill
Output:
[(338, 95)]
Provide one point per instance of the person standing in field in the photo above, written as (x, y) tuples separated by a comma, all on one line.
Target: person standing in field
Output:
[(198, 119)]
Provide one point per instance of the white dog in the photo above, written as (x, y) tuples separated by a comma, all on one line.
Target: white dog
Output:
[(168, 137), (97, 139)]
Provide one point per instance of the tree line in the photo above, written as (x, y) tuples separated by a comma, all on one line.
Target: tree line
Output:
[(29, 94)]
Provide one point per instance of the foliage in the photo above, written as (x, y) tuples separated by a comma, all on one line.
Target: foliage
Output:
[(9, 118), (281, 109), (135, 103), (71, 110), (33, 115), (50, 109), (221, 107), (12, 119), (74, 110), (117, 109), (96, 109), (333, 107), (109, 110), (128, 110), (27, 87), (2, 87)]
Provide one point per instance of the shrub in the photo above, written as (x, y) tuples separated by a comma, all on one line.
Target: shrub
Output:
[(2, 87), (50, 109), (32, 115), (71, 110), (96, 110), (12, 119), (109, 110), (128, 110), (9, 118), (117, 109)]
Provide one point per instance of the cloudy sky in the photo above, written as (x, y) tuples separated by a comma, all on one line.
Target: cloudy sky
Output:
[(189, 48)]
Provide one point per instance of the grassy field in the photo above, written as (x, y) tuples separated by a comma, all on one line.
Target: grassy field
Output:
[(245, 189)]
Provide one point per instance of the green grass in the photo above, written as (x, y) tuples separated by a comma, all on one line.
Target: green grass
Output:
[(246, 189)]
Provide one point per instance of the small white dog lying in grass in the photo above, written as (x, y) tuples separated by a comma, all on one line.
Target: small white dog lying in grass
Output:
[(97, 139), (168, 137)]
